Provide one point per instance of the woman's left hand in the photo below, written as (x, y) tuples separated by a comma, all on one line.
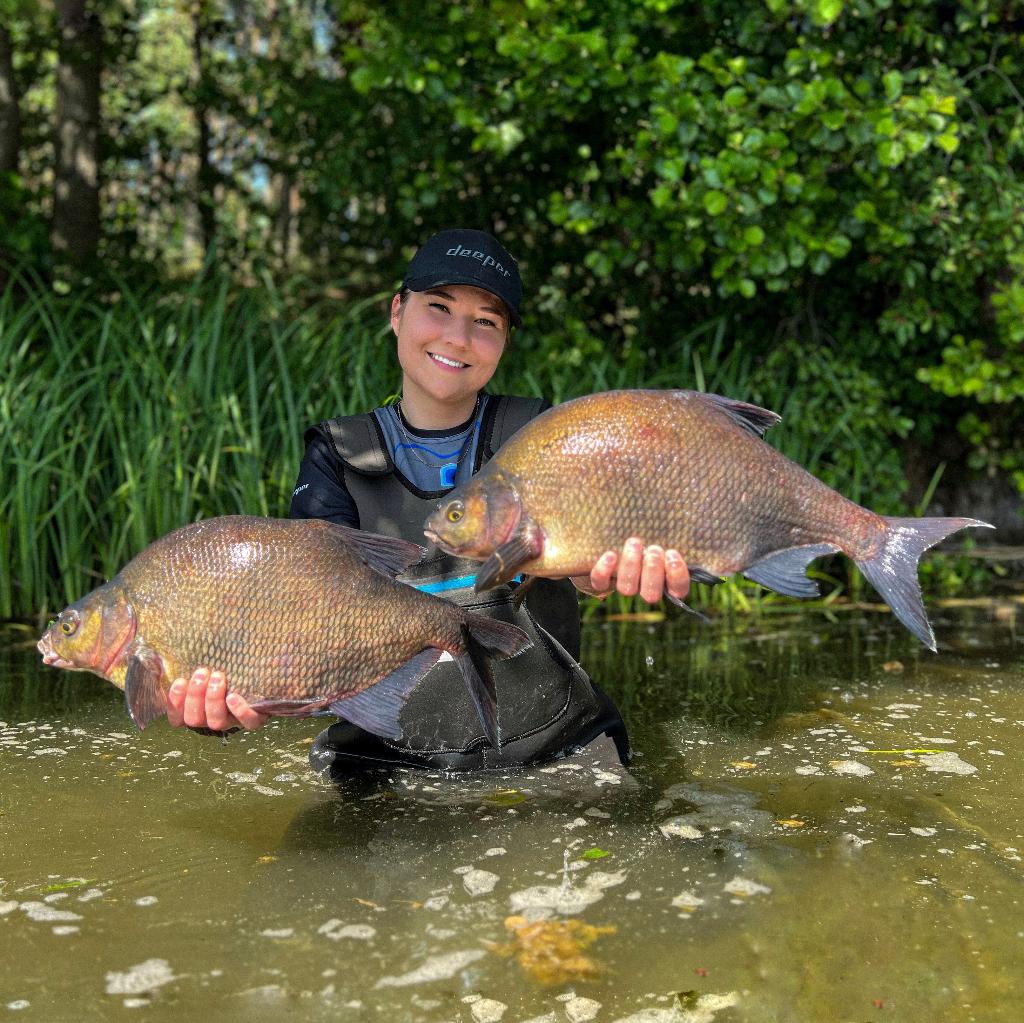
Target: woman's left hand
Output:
[(647, 571)]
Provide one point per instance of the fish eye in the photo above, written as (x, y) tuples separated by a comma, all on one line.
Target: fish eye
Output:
[(455, 511), (69, 624)]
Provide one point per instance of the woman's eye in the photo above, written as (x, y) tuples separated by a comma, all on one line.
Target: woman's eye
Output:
[(486, 323), (439, 305)]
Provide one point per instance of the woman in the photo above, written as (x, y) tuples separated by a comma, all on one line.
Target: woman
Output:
[(384, 471)]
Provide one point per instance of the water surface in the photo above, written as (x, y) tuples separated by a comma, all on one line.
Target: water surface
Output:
[(823, 822)]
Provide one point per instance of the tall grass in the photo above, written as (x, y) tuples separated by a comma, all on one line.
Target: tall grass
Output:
[(125, 416), (125, 413)]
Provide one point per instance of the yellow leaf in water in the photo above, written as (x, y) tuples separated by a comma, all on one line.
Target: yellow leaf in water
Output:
[(894, 667), (367, 903), (505, 797), (743, 765), (637, 616), (552, 951), (790, 822), (305, 742), (266, 859)]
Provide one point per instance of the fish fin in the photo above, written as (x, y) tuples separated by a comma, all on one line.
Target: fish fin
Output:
[(701, 575), (519, 593), (751, 417), (289, 708), (893, 570), (386, 554), (686, 607), (525, 545), (784, 571), (378, 708), (482, 638), (143, 694), (498, 639), (480, 681)]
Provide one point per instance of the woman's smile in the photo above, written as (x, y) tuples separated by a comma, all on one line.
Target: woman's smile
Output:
[(448, 361)]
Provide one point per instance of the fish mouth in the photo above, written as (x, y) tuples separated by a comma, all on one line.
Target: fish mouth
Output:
[(435, 538), (50, 656)]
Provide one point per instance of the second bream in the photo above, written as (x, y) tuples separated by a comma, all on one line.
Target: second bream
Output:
[(684, 470)]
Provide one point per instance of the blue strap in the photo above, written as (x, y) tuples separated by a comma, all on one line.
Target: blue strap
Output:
[(462, 582)]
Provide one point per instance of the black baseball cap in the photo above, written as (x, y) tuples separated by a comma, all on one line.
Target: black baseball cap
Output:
[(462, 256)]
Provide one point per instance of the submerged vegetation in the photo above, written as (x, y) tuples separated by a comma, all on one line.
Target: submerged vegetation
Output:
[(125, 413)]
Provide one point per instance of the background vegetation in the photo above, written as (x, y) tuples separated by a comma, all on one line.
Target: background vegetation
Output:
[(812, 204)]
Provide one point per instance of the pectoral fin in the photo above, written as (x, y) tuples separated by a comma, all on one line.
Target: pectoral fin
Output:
[(526, 544), (686, 607), (702, 575), (143, 692)]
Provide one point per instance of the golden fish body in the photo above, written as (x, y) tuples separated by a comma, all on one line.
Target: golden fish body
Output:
[(301, 615), (684, 470)]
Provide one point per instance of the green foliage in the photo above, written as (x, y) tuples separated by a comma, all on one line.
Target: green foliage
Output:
[(848, 169)]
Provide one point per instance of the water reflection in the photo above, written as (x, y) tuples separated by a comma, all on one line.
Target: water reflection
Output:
[(823, 823)]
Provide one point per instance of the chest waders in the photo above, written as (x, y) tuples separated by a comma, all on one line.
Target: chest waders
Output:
[(547, 705)]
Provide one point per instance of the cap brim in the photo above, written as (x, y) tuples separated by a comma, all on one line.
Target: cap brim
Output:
[(425, 283)]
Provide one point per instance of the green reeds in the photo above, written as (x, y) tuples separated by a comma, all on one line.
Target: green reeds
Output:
[(127, 413), (124, 415)]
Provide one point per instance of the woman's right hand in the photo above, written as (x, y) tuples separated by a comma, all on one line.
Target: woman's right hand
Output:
[(204, 702)]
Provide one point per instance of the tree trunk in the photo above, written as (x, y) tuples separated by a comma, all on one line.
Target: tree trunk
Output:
[(10, 116), (75, 227), (206, 177)]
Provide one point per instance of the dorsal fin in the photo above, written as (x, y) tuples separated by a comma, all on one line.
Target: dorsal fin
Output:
[(386, 554), (751, 417)]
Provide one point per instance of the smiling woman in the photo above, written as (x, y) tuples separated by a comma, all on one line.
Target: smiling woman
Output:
[(385, 471)]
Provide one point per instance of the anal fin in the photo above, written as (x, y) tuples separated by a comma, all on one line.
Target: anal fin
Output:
[(378, 708), (784, 571)]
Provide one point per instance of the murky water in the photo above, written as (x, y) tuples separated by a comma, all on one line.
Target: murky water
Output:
[(823, 823)]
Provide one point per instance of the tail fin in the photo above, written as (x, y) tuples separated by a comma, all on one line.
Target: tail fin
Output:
[(893, 570), (483, 638)]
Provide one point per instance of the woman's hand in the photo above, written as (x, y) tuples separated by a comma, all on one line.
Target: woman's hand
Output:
[(647, 571), (204, 702)]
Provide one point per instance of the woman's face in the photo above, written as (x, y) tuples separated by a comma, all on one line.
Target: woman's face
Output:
[(450, 341)]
